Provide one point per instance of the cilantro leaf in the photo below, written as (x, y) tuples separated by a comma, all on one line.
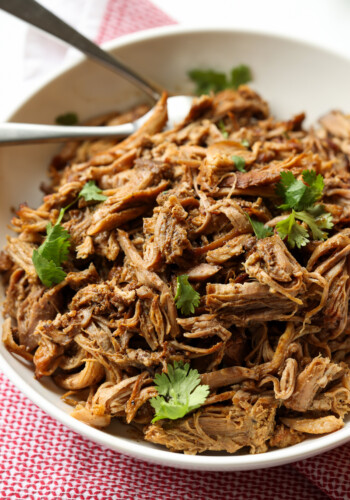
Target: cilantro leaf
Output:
[(67, 119), (239, 75), (56, 245), (317, 219), (245, 143), (179, 392), (239, 163), (321, 216), (314, 189), (208, 80), (290, 189), (48, 272), (259, 229), (223, 130), (186, 298), (296, 234), (91, 192), (300, 196), (47, 259), (213, 81), (297, 194)]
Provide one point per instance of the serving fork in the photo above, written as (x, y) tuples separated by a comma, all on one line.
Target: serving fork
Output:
[(40, 17)]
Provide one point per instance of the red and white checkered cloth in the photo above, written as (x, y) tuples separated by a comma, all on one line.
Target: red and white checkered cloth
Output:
[(42, 459)]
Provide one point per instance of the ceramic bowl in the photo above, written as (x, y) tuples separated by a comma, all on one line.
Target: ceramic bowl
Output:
[(292, 76)]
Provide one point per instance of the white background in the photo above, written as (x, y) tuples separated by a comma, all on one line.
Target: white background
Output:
[(324, 22)]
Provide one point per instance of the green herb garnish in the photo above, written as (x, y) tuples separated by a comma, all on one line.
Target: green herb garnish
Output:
[(179, 392), (239, 163), (316, 218), (91, 192), (296, 234), (67, 119), (300, 196), (47, 259), (240, 75), (223, 130), (213, 81), (245, 143), (208, 81), (186, 298), (259, 229)]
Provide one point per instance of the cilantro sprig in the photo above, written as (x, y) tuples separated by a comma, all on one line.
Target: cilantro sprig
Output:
[(186, 298), (239, 163), (300, 197), (296, 234), (179, 392), (240, 75), (213, 81), (91, 192), (316, 219), (259, 228), (47, 259)]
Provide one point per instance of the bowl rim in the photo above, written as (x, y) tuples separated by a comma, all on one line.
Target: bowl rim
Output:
[(138, 449), (160, 32)]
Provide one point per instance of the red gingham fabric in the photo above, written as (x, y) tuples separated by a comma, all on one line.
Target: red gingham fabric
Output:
[(127, 16), (42, 459)]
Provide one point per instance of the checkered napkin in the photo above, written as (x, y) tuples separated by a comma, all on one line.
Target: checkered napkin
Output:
[(42, 459)]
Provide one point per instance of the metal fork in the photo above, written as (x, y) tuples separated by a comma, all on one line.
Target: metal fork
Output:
[(18, 133)]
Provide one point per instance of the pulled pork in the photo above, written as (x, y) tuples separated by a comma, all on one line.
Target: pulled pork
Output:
[(271, 334)]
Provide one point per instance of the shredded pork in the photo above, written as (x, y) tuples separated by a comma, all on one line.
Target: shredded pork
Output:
[(271, 334)]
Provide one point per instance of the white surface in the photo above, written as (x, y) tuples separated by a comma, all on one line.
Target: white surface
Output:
[(277, 64), (325, 22), (29, 54)]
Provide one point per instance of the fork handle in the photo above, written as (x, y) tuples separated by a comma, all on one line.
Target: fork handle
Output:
[(34, 13), (23, 133)]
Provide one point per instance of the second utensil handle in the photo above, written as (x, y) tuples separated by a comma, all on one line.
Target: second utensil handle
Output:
[(22, 133)]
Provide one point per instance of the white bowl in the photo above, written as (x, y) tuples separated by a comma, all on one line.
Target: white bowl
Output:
[(292, 76)]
